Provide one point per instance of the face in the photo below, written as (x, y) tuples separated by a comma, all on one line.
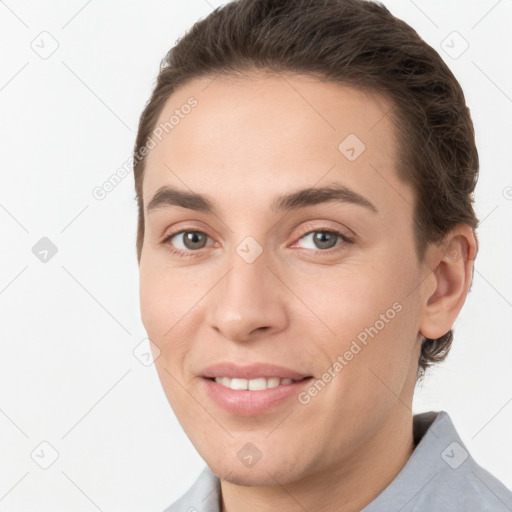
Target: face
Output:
[(256, 283)]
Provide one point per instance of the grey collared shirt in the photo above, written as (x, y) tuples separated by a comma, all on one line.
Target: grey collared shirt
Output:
[(440, 476)]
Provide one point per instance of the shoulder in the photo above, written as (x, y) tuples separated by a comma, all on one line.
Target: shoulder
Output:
[(441, 474), (460, 480), (466, 487)]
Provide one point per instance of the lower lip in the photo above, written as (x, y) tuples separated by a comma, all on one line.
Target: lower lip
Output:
[(247, 402)]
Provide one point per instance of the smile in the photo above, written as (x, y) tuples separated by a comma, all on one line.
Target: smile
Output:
[(257, 384)]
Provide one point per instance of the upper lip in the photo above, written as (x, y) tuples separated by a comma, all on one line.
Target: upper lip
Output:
[(250, 371)]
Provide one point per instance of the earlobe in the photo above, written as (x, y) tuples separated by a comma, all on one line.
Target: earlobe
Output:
[(452, 272)]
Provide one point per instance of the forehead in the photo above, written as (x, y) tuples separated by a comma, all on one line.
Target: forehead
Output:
[(277, 129)]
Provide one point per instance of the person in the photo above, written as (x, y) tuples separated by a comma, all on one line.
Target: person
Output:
[(304, 173)]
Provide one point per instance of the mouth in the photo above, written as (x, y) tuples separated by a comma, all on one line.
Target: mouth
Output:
[(255, 384), (252, 389), (242, 374)]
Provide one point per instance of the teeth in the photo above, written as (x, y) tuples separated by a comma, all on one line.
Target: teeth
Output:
[(273, 382), (238, 384), (258, 384)]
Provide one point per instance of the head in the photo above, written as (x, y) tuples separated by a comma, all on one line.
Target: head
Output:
[(279, 121)]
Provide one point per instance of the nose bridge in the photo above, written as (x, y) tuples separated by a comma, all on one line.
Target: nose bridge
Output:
[(248, 298)]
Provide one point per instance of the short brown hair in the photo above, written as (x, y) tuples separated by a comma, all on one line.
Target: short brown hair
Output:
[(352, 42)]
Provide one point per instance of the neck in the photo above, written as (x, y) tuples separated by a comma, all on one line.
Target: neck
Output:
[(348, 487)]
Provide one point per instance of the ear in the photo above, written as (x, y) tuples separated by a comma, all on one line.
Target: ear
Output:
[(448, 284)]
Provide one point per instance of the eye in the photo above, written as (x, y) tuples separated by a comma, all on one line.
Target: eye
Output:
[(322, 240), (186, 241)]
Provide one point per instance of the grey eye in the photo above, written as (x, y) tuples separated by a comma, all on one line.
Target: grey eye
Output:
[(322, 239), (191, 240)]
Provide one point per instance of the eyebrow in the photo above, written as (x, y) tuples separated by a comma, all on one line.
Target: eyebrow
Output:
[(168, 196)]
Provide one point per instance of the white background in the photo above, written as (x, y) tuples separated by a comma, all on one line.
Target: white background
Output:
[(68, 375)]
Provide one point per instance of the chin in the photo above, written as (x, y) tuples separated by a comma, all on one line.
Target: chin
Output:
[(261, 474)]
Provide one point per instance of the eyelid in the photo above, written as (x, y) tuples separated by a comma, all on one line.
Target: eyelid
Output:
[(344, 240), (313, 226), (182, 230), (181, 227)]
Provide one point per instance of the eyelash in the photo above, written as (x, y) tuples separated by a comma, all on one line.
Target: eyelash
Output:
[(191, 253)]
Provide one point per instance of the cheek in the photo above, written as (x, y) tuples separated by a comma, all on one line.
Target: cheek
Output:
[(161, 307), (153, 304), (170, 304), (165, 297), (372, 324), (350, 301)]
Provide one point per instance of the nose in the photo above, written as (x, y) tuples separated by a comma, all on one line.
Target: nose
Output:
[(248, 302)]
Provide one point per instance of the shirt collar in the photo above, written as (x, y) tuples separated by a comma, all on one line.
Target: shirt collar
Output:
[(436, 440)]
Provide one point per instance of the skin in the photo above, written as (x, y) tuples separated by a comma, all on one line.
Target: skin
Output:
[(249, 140)]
